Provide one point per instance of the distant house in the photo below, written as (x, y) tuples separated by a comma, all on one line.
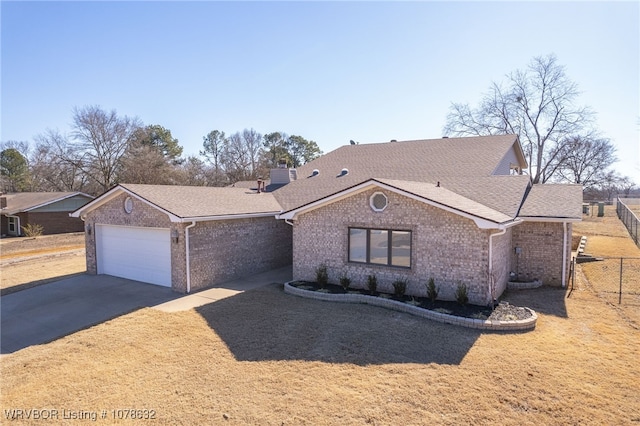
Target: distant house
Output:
[(47, 209), (459, 210)]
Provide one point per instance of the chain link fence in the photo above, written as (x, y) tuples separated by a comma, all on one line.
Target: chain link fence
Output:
[(628, 210), (617, 280)]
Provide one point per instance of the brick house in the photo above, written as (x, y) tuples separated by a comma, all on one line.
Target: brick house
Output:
[(459, 210), (47, 209), (142, 232)]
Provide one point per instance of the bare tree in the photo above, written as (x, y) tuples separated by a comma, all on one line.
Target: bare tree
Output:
[(51, 169), (584, 159), (253, 144), (537, 104), (236, 158), (99, 141), (194, 172)]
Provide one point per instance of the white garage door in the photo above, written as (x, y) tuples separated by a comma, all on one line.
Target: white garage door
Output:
[(141, 254)]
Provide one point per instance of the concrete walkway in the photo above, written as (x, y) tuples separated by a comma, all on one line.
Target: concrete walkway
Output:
[(225, 290)]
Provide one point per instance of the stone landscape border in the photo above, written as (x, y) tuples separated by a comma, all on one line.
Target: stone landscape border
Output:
[(496, 325), (516, 285)]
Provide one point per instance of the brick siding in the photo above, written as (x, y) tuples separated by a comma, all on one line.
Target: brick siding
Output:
[(220, 250), (445, 246), (229, 249), (53, 222), (541, 251)]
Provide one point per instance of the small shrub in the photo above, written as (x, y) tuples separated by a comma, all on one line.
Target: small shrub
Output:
[(33, 230), (462, 296), (432, 290), (322, 277), (345, 282), (400, 287), (372, 283)]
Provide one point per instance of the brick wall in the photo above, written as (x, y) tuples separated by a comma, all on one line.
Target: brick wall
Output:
[(229, 249), (54, 222), (220, 250), (501, 261), (541, 251), (445, 246)]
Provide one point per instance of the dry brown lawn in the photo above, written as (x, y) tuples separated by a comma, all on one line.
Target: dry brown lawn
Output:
[(264, 357), (27, 262), (607, 237)]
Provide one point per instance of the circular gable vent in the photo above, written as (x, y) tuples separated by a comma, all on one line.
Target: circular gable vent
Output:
[(378, 201), (128, 205)]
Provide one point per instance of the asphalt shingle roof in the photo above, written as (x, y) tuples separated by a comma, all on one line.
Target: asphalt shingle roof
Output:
[(202, 201), (551, 200), (463, 165), (23, 201)]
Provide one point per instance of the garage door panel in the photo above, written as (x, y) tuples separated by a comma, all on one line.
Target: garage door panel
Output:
[(136, 253)]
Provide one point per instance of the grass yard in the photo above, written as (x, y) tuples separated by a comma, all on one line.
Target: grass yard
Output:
[(607, 237), (264, 357)]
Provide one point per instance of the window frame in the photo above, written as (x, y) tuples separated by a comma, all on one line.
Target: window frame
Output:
[(390, 232)]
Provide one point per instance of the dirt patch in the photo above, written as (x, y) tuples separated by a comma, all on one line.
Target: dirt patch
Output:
[(46, 244), (27, 262)]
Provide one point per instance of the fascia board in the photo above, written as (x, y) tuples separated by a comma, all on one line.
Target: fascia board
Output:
[(114, 192), (228, 217)]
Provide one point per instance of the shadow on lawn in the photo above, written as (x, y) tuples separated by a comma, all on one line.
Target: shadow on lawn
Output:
[(544, 300), (266, 324)]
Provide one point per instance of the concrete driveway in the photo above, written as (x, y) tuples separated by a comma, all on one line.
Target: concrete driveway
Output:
[(44, 313), (41, 314)]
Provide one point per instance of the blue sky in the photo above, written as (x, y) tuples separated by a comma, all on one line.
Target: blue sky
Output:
[(328, 71)]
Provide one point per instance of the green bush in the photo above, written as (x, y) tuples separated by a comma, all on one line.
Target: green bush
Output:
[(322, 277), (432, 290), (372, 283), (462, 296), (345, 282), (400, 286), (33, 230)]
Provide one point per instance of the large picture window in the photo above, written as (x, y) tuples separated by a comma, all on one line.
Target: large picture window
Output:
[(380, 247)]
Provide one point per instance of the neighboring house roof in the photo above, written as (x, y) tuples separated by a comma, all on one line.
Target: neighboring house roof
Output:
[(464, 165), (185, 203), (553, 201), (26, 201)]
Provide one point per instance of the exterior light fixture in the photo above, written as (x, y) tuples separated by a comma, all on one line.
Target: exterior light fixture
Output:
[(174, 236)]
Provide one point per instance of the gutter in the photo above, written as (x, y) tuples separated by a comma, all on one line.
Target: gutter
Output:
[(492, 297), (564, 254), (188, 254)]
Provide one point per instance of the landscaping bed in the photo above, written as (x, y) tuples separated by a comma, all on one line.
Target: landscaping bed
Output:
[(502, 312)]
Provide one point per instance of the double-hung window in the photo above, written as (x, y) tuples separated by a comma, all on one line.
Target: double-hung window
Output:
[(380, 247)]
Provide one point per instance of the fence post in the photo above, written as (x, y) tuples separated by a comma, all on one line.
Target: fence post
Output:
[(620, 292)]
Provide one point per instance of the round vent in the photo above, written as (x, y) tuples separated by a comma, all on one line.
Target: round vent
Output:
[(378, 201), (128, 205)]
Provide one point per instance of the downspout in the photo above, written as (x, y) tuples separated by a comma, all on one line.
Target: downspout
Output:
[(188, 256), (288, 222), (491, 280), (564, 254)]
